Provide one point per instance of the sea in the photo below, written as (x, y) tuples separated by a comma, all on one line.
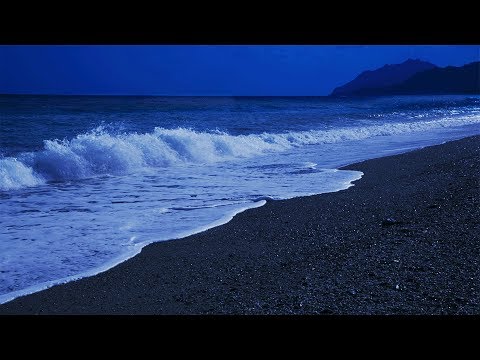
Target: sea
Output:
[(87, 181)]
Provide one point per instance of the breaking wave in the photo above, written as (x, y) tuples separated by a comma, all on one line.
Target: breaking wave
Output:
[(100, 152)]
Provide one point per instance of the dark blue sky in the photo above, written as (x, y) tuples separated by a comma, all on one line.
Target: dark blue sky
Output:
[(203, 70)]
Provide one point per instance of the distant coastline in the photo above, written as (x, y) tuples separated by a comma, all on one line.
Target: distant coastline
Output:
[(414, 77)]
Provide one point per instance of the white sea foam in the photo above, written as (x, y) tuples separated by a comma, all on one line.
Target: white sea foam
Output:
[(180, 181), (133, 250), (100, 153), (14, 175)]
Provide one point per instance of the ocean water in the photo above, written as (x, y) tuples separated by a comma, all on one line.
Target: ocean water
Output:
[(86, 182)]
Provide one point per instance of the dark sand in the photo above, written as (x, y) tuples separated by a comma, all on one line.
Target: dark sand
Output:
[(323, 254)]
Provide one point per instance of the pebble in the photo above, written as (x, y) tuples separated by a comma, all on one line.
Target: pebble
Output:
[(389, 221)]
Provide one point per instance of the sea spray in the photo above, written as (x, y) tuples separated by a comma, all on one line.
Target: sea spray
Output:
[(101, 153)]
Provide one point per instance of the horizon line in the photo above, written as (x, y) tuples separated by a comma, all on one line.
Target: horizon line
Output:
[(153, 95)]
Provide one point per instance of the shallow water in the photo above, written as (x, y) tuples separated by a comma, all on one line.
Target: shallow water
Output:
[(87, 181)]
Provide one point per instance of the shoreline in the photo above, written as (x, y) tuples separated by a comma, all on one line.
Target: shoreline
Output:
[(5, 298), (238, 268)]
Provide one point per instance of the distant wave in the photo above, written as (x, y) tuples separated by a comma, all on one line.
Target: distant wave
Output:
[(100, 152)]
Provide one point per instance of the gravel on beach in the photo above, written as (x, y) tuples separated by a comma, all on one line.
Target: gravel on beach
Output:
[(405, 239)]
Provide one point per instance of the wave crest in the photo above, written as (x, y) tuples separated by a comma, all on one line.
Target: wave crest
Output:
[(15, 175), (100, 152)]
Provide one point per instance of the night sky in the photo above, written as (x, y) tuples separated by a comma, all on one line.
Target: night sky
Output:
[(203, 70)]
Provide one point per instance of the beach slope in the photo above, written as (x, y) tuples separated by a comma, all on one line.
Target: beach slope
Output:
[(404, 240)]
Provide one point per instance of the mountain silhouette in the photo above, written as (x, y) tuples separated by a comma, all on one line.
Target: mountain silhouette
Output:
[(386, 76), (385, 81), (448, 80)]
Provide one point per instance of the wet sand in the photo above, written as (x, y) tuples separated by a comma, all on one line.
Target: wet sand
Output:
[(404, 240)]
